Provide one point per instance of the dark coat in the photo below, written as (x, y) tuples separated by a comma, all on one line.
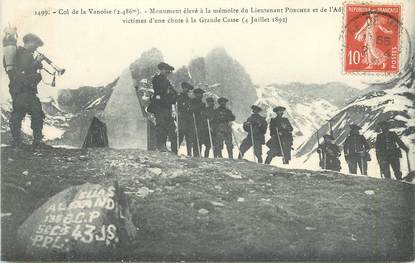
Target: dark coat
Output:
[(259, 127), (25, 76), (330, 156), (222, 117), (164, 94), (356, 146), (284, 128), (183, 105), (388, 144)]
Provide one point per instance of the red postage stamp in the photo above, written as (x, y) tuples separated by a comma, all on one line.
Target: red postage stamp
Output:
[(372, 38)]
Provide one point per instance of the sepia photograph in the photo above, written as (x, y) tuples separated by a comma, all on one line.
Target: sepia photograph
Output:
[(219, 131)]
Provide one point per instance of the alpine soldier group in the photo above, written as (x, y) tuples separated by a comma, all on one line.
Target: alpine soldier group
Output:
[(202, 125), (199, 123)]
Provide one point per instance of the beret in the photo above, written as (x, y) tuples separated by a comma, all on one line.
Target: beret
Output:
[(163, 65), (186, 85), (222, 99), (32, 38), (279, 108)]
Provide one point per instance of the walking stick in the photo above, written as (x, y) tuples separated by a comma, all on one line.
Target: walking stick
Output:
[(407, 161), (252, 140), (177, 129), (281, 148), (197, 134), (318, 146), (210, 136), (330, 128), (236, 141)]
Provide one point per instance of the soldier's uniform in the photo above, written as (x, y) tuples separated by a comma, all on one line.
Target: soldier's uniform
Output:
[(161, 105), (388, 151), (356, 151), (223, 131), (259, 125), (197, 106), (24, 79), (281, 137), (208, 114), (186, 129), (330, 154)]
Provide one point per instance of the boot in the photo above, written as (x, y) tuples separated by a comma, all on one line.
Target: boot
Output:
[(259, 159), (39, 145), (230, 152), (268, 160), (207, 152), (15, 130)]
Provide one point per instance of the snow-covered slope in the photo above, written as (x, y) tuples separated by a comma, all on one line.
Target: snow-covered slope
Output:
[(306, 114), (395, 104)]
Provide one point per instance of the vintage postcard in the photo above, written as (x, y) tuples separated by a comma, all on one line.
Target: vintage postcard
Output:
[(215, 130)]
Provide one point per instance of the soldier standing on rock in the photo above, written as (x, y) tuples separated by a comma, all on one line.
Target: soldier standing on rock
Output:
[(161, 105), (281, 137), (185, 122), (388, 151), (330, 153), (196, 107), (223, 130), (207, 134), (356, 151), (256, 126), (24, 78)]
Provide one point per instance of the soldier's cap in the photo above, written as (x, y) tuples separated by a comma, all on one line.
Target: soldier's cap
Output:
[(256, 108), (163, 65), (328, 137), (384, 124), (222, 99), (186, 85), (278, 109), (355, 127), (198, 91), (32, 38)]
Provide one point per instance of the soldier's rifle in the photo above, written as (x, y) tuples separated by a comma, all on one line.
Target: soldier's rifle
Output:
[(252, 140)]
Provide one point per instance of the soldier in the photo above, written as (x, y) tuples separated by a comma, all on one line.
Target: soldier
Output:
[(197, 106), (256, 126), (330, 154), (356, 151), (186, 127), (281, 137), (161, 105), (223, 131), (207, 129), (24, 78), (388, 152)]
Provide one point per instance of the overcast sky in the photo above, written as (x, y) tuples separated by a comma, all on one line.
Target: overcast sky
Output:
[(95, 49)]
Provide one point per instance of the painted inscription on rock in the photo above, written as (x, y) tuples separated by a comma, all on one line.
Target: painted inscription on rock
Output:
[(84, 220)]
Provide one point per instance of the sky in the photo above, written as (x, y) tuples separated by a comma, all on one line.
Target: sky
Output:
[(94, 49)]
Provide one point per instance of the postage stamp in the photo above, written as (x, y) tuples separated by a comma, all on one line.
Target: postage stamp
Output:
[(372, 38)]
